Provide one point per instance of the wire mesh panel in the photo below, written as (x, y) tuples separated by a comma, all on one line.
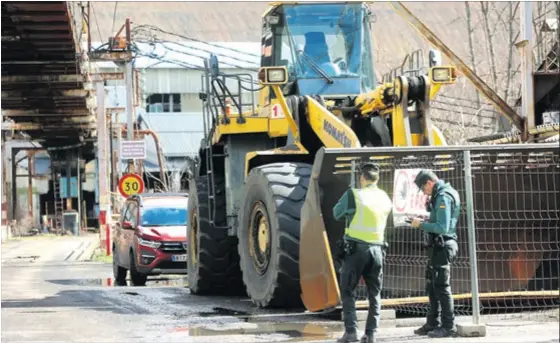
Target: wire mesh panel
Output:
[(517, 216), (406, 261), (404, 284)]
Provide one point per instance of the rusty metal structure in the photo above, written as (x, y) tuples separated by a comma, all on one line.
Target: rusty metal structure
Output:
[(45, 78), (47, 93)]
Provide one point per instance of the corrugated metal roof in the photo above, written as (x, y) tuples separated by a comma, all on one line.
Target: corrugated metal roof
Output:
[(179, 133)]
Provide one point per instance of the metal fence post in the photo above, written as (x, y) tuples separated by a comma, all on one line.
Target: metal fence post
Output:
[(472, 236), (353, 174)]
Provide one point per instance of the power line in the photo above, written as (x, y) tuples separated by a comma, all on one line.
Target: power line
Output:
[(163, 41), (191, 66), (155, 28), (114, 18), (203, 57), (96, 22)]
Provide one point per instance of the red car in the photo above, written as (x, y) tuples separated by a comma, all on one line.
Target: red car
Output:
[(151, 237)]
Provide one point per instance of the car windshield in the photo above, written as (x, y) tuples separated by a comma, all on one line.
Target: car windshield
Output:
[(164, 216), (330, 35)]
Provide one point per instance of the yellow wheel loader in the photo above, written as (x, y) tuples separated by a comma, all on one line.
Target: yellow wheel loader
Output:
[(260, 205), (318, 89)]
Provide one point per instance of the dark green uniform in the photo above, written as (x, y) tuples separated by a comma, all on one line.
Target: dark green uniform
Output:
[(364, 258), (444, 209)]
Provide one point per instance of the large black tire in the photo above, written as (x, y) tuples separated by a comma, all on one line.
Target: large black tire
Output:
[(279, 190), (213, 261)]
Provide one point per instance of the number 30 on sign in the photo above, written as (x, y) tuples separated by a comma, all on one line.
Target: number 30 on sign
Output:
[(130, 184)]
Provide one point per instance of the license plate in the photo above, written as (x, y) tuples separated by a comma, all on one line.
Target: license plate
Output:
[(179, 258)]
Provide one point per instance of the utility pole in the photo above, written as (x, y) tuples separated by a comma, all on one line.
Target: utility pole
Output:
[(102, 150), (129, 76), (526, 46), (119, 51), (30, 156)]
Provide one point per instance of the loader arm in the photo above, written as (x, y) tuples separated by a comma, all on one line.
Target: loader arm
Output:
[(503, 108)]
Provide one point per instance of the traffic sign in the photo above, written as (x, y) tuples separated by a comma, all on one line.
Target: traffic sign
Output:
[(130, 184), (133, 149)]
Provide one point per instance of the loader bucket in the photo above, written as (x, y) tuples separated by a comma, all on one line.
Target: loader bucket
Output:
[(330, 178), (515, 192)]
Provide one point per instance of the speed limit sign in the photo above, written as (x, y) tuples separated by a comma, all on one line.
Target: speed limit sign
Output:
[(130, 184)]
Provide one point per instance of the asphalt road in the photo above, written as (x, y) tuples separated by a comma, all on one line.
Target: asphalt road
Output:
[(50, 295)]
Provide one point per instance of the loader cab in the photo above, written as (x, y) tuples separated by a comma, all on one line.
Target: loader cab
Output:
[(326, 47)]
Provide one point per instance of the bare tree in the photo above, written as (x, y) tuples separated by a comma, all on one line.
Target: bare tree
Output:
[(471, 45)]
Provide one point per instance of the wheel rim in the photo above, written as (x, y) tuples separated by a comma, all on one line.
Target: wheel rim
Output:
[(193, 246), (259, 238)]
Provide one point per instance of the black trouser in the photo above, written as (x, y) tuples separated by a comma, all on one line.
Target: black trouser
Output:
[(438, 284), (366, 261)]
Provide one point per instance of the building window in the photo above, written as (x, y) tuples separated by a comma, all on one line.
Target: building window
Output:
[(163, 103)]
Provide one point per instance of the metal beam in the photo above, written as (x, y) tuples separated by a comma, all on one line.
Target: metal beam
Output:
[(43, 127), (36, 112), (37, 17), (62, 78), (45, 92), (123, 56), (42, 78), (23, 14), (60, 26), (46, 35), (106, 76), (38, 62)]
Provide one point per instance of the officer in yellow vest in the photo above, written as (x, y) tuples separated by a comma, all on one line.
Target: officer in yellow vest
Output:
[(366, 210)]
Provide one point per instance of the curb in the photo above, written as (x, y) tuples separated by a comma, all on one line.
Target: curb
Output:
[(388, 319), (89, 251)]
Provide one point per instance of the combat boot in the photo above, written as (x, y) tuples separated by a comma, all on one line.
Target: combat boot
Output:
[(368, 339), (348, 338), (424, 330), (442, 333)]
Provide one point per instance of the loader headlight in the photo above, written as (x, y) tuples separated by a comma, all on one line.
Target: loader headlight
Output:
[(443, 74), (273, 75)]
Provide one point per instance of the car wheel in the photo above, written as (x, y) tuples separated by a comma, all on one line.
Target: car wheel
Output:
[(137, 278), (118, 272)]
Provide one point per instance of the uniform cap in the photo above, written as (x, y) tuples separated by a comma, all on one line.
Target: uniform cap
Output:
[(423, 176)]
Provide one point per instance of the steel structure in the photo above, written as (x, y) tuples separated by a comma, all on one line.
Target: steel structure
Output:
[(45, 76)]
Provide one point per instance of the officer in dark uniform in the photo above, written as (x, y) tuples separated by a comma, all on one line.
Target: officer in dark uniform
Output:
[(441, 238), (366, 211)]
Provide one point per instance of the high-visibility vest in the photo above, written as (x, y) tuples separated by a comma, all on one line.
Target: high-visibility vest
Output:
[(373, 206)]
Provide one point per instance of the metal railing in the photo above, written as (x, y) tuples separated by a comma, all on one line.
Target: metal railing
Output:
[(509, 241)]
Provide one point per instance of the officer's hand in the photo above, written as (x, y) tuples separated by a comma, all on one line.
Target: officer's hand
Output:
[(416, 222)]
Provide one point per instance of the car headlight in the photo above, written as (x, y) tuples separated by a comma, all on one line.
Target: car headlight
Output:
[(148, 243)]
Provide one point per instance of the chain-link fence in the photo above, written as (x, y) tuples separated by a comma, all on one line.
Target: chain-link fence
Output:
[(507, 231)]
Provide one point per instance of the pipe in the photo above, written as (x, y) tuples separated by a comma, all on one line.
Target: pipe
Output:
[(163, 176), (30, 155), (515, 137)]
